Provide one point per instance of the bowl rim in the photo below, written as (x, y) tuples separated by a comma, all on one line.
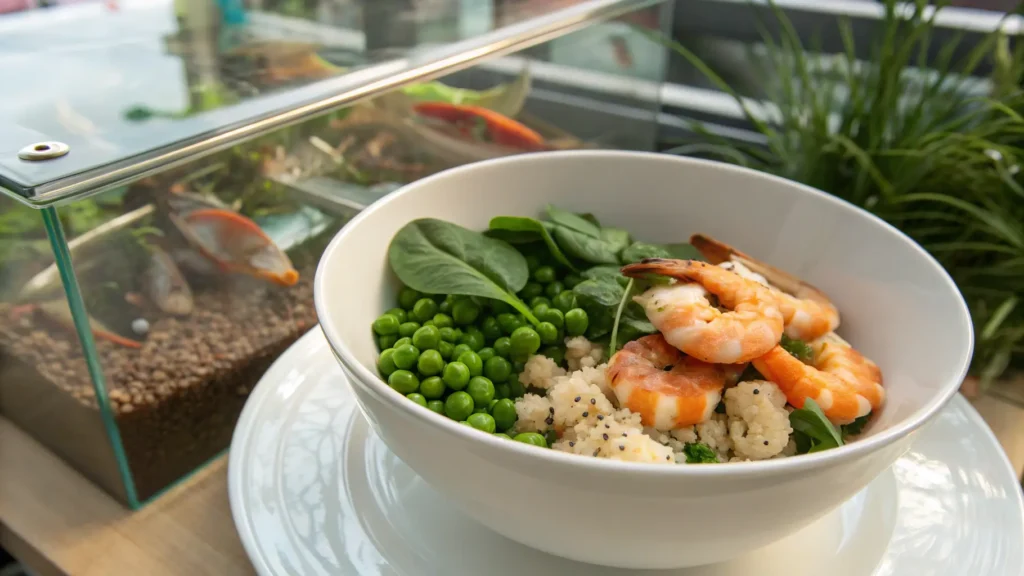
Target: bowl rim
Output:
[(789, 465)]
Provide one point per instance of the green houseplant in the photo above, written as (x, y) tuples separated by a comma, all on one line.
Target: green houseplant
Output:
[(923, 143)]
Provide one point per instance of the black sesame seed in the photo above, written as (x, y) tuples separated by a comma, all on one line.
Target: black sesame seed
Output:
[(605, 436), (607, 426), (596, 452), (585, 414), (622, 446), (576, 399), (551, 410), (765, 442), (593, 401), (600, 416), (757, 390), (668, 368), (571, 444), (667, 458), (549, 421), (623, 434)]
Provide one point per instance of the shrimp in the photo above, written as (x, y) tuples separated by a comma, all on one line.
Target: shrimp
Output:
[(667, 388), (806, 311), (845, 384), (682, 312)]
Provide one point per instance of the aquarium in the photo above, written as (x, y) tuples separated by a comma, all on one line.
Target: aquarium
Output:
[(172, 172)]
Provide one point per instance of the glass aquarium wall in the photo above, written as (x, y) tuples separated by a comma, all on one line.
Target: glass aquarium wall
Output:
[(137, 319)]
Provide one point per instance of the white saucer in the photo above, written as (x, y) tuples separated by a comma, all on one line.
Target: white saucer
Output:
[(315, 492)]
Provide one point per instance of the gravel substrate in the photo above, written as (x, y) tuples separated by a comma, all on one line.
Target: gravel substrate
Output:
[(175, 400)]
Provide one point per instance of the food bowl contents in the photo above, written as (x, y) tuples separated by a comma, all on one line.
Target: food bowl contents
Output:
[(570, 335)]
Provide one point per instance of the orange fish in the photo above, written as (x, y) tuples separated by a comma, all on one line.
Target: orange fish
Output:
[(58, 311), (235, 243), (501, 129)]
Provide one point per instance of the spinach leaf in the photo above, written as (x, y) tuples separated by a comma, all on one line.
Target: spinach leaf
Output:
[(626, 293), (699, 453), (603, 293), (637, 251), (574, 222), (592, 249), (590, 218), (517, 225), (856, 427), (798, 348), (684, 251), (601, 296), (617, 238), (437, 257), (811, 421), (512, 236), (750, 373), (605, 273)]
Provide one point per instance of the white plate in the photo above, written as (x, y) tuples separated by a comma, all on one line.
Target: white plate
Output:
[(314, 491)]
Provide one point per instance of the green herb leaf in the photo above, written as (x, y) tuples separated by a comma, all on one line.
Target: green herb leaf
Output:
[(699, 453), (574, 222), (618, 316), (532, 227), (684, 251), (637, 251), (618, 238), (798, 348), (590, 218), (598, 293), (437, 257), (810, 420), (750, 373), (591, 249), (605, 273), (856, 427)]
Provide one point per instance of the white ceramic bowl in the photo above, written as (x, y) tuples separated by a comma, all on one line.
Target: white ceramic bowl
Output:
[(898, 307)]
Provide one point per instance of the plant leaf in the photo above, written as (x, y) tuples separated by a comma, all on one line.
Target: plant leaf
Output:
[(591, 249), (699, 453), (573, 221), (618, 316), (535, 228), (810, 420)]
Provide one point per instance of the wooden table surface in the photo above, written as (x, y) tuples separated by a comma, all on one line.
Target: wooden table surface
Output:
[(57, 523)]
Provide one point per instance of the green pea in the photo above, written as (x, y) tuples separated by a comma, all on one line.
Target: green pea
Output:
[(485, 354), (552, 315), (554, 289), (490, 328), (446, 349), (571, 280), (525, 341), (484, 422), (428, 323), (400, 314), (503, 346), (534, 302), (458, 406), (406, 356), (424, 309), (465, 312), (464, 423), (475, 340), (517, 366), (556, 353), (531, 290), (430, 363), (472, 361), (544, 274), (436, 406), (532, 262), (426, 338), (445, 307), (531, 438), (548, 333), (407, 329), (447, 334), (491, 405), (387, 341), (504, 412), (497, 369), (460, 349), (407, 298), (386, 324), (403, 381), (502, 436), (456, 375), (508, 323), (540, 309), (402, 342), (386, 362), (443, 320), (482, 391), (432, 388), (500, 307), (502, 391), (480, 410), (417, 398), (576, 321), (565, 301), (515, 387), (458, 335)]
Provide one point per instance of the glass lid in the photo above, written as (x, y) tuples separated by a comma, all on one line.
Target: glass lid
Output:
[(107, 91)]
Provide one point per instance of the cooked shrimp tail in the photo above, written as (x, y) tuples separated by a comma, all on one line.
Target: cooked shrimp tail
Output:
[(667, 388), (750, 327), (807, 311), (844, 384)]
